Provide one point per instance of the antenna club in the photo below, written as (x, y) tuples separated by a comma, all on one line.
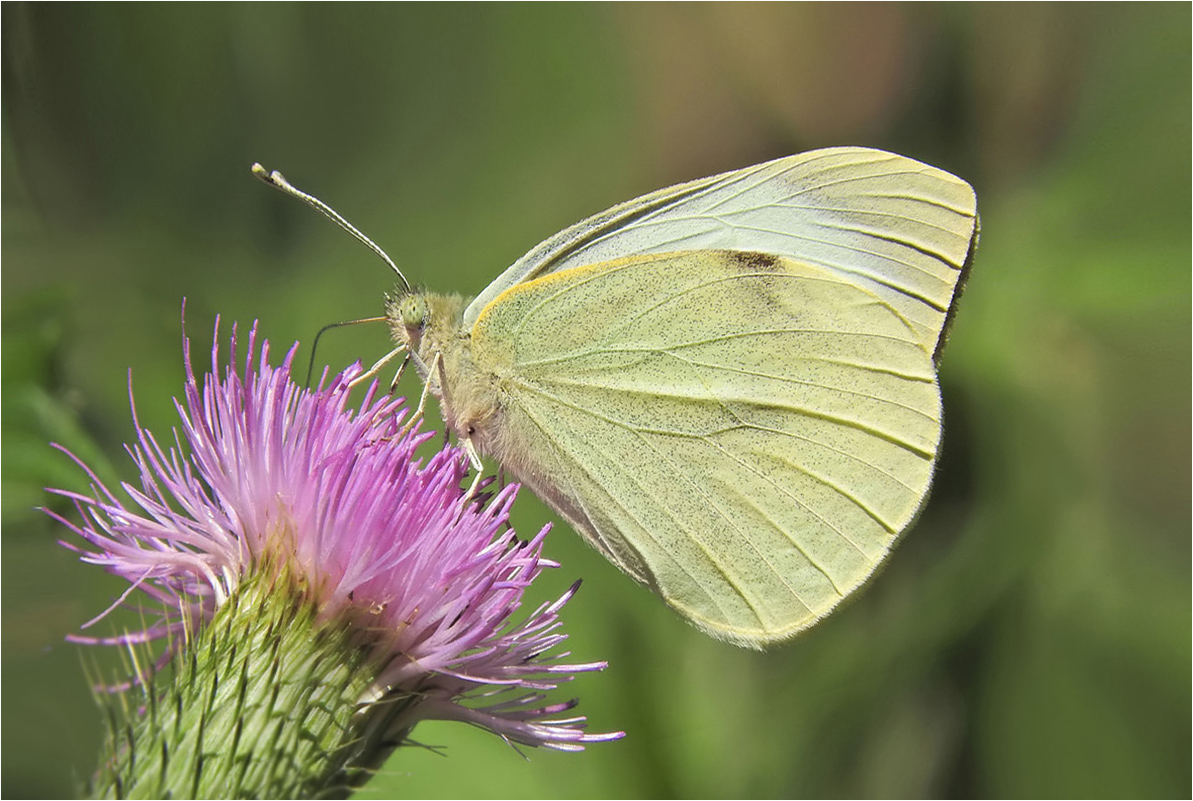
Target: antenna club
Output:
[(278, 181)]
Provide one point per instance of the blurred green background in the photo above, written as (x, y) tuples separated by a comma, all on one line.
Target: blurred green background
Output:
[(1030, 637)]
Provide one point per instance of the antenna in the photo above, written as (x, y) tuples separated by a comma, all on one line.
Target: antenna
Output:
[(279, 182), (325, 329)]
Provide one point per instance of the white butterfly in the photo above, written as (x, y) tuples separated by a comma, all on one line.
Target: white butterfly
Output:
[(728, 386)]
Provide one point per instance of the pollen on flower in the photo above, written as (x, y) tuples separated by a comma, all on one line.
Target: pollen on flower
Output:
[(263, 477)]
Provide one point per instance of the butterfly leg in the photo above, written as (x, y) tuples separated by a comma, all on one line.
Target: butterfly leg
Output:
[(500, 486), (376, 368), (393, 385), (478, 466), (474, 460), (422, 400)]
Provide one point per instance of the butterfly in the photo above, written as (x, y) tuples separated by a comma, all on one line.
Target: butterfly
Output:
[(729, 386)]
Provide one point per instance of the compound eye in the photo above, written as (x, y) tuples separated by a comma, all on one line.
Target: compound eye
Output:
[(414, 312)]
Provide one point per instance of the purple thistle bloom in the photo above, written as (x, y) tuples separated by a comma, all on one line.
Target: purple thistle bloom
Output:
[(269, 476)]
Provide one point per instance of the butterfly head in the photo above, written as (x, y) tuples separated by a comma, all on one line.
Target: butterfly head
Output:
[(430, 327), (408, 314), (427, 325)]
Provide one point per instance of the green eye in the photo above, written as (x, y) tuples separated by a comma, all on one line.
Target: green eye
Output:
[(413, 312)]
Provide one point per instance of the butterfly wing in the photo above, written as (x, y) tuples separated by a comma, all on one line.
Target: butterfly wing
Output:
[(745, 434), (896, 226)]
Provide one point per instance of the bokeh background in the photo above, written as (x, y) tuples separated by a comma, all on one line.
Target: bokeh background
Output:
[(1030, 637)]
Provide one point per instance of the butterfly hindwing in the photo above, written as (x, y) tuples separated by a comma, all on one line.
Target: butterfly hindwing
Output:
[(746, 434)]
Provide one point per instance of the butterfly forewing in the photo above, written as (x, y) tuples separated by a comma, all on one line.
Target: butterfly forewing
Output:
[(747, 434), (896, 226)]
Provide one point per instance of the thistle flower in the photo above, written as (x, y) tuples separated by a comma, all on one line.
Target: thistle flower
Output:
[(321, 590)]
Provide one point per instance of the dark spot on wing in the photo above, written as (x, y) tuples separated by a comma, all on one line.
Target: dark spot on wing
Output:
[(752, 261)]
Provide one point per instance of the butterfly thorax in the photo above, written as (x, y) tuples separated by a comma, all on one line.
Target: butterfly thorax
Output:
[(431, 327)]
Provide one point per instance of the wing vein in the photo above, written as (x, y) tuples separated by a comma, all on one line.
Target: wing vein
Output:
[(668, 392), (543, 392), (712, 560)]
